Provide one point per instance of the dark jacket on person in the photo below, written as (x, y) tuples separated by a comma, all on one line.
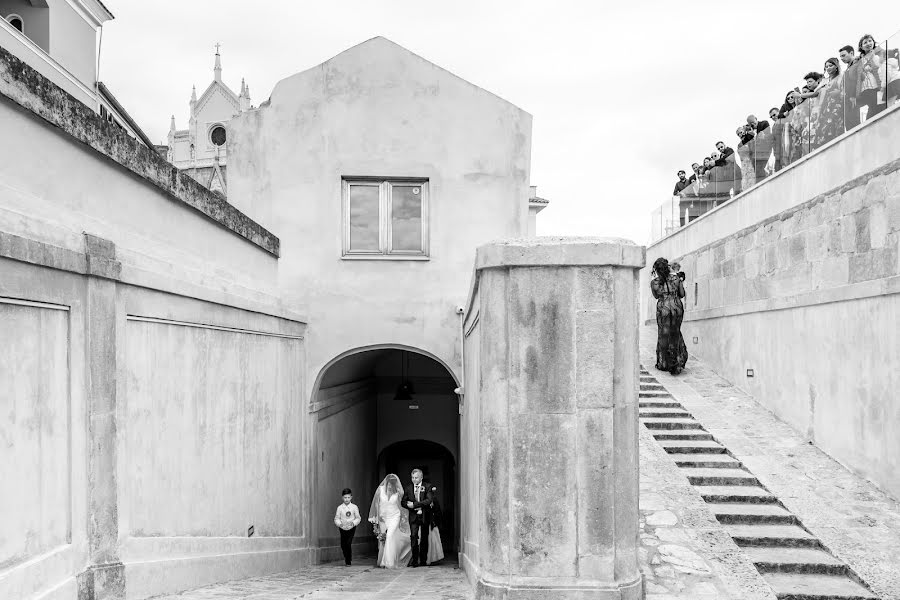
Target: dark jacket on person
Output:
[(761, 144), (851, 79)]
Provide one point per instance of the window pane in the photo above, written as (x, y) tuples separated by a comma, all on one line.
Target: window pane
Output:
[(406, 218), (364, 218)]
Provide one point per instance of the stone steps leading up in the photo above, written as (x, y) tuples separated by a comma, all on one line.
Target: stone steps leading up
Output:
[(801, 586), (749, 494), (669, 423), (692, 446), (669, 404), (697, 435), (795, 560), (664, 413), (734, 513), (706, 461), (654, 394), (719, 477), (785, 536)]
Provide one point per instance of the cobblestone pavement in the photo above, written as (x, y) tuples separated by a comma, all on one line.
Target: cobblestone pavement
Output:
[(852, 517), (335, 581)]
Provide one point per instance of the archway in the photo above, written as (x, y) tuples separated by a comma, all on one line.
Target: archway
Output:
[(438, 466), (376, 407)]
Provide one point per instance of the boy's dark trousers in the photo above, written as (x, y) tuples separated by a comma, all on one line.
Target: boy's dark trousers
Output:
[(347, 543)]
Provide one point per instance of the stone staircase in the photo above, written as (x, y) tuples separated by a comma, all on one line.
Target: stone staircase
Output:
[(792, 560)]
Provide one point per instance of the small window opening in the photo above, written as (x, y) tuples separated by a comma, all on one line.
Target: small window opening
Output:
[(16, 21)]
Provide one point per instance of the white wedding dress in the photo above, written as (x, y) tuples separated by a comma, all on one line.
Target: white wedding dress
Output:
[(393, 520)]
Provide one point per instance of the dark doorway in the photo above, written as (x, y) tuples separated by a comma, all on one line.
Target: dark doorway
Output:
[(439, 469)]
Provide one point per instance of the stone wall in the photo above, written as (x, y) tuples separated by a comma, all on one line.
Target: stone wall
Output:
[(550, 420), (808, 300)]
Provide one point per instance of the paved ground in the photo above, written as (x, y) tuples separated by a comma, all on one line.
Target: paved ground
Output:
[(685, 553), (335, 581)]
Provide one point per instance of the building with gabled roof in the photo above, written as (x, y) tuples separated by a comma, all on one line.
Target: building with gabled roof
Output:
[(201, 149)]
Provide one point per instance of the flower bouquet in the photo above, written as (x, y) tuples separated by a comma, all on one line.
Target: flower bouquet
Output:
[(377, 530)]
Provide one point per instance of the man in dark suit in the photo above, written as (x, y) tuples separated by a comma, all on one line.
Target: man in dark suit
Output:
[(419, 507), (851, 87)]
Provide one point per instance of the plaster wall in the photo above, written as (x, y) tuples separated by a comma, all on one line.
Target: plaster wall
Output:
[(37, 58), (379, 110), (469, 457), (808, 298), (345, 457), (49, 192), (35, 430), (221, 424), (73, 42), (150, 368), (35, 18)]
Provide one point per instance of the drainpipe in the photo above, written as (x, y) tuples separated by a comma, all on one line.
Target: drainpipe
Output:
[(461, 390)]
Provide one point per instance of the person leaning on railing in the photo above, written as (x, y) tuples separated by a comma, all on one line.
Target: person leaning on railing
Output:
[(831, 104), (892, 94), (759, 138), (811, 91), (871, 57), (748, 174)]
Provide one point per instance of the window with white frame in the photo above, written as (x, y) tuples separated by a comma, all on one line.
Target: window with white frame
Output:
[(385, 218)]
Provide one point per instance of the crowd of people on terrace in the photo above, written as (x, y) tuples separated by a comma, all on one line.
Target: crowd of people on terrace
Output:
[(855, 86)]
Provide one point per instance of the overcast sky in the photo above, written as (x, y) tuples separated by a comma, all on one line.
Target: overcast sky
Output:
[(623, 94)]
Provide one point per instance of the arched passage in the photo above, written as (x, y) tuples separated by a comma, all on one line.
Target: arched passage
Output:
[(378, 408), (439, 468)]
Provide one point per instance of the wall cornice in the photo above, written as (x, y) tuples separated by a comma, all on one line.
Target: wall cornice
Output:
[(27, 89)]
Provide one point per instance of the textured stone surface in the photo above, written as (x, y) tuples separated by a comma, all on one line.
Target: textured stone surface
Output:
[(559, 425), (855, 520)]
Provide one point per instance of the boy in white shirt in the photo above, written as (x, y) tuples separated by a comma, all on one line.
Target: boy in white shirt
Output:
[(347, 518)]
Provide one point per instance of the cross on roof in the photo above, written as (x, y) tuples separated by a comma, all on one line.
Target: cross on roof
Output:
[(217, 47)]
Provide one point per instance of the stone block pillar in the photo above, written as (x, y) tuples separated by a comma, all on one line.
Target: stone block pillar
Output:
[(558, 383), (104, 578)]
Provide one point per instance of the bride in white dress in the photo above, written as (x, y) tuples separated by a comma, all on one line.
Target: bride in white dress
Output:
[(393, 521)]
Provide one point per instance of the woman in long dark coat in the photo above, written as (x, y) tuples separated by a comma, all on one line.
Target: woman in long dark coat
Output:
[(671, 351)]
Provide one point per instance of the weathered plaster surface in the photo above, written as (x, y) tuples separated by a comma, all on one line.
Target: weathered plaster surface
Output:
[(25, 87)]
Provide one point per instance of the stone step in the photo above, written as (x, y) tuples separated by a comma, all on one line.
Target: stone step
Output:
[(733, 513), (797, 586), (682, 435), (795, 560), (654, 394), (692, 446), (719, 477), (662, 413), (790, 536), (646, 385), (669, 423), (744, 494), (665, 403), (660, 405), (706, 461)]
